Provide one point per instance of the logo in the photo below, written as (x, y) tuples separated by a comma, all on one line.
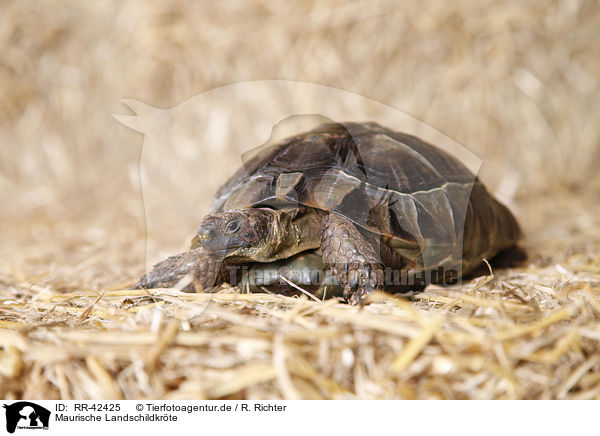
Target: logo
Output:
[(26, 415)]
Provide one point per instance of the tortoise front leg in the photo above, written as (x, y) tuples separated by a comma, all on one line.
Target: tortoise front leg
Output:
[(350, 258), (201, 269)]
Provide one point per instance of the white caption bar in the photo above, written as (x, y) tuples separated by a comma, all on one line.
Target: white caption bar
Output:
[(298, 417)]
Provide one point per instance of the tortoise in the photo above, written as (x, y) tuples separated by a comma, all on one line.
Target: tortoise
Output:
[(371, 201)]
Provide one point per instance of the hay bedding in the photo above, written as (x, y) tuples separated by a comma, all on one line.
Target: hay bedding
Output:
[(515, 81), (530, 332)]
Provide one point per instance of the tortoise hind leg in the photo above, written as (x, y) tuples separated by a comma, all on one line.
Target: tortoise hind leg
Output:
[(350, 258), (201, 271)]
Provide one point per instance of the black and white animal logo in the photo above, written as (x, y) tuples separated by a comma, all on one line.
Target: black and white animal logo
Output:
[(26, 415)]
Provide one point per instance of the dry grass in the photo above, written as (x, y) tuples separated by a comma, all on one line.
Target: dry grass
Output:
[(531, 332), (515, 82)]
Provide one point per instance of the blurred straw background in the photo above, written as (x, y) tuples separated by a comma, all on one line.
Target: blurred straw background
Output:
[(515, 82)]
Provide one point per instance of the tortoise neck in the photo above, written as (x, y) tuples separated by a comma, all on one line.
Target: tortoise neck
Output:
[(295, 229)]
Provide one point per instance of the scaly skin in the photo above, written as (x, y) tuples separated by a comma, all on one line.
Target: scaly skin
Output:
[(262, 235), (422, 196), (204, 272), (350, 258), (348, 255)]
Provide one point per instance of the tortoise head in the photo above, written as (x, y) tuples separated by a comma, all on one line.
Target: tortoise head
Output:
[(244, 233)]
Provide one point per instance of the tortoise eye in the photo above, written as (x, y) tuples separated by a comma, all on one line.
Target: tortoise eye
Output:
[(232, 227)]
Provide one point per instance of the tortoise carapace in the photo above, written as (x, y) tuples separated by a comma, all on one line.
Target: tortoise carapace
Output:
[(370, 200)]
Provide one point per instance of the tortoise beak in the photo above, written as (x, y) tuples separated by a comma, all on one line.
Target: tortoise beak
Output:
[(197, 241), (214, 243), (205, 232)]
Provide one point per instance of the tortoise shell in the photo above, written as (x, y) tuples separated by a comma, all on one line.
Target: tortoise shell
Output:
[(425, 204)]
